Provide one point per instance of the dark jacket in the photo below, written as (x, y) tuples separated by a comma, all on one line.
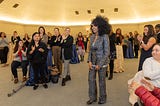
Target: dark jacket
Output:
[(54, 42), (67, 46), (158, 37), (112, 39), (37, 56), (14, 40)]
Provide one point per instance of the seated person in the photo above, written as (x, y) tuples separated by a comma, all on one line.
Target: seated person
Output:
[(150, 71), (148, 94), (19, 59)]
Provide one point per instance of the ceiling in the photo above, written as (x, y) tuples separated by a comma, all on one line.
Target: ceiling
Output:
[(62, 12)]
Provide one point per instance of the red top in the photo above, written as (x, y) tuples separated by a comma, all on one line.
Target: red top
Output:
[(80, 43), (149, 98)]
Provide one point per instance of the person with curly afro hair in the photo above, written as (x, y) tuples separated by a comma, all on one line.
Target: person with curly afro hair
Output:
[(98, 58)]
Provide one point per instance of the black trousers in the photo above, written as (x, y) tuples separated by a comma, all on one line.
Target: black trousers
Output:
[(39, 70), (136, 48), (16, 64), (111, 67), (4, 53), (1, 54), (124, 50)]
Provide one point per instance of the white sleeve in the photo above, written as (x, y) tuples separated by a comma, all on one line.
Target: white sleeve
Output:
[(150, 69)]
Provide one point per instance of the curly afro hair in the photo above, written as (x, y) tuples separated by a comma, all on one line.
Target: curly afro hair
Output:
[(103, 25)]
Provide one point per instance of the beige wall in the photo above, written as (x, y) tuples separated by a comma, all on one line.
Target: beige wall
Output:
[(30, 29), (8, 28)]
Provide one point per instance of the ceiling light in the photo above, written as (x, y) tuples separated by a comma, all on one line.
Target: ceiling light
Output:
[(15, 5), (89, 11), (77, 12), (102, 10), (115, 9)]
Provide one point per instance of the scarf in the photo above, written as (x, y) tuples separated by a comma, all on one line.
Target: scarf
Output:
[(20, 54)]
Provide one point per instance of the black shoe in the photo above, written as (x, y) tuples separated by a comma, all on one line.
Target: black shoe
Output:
[(35, 87), (45, 86), (63, 82), (136, 104), (68, 78), (106, 74), (101, 102), (110, 77), (91, 101)]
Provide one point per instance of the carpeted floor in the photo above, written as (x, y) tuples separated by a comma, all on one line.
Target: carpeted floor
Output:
[(75, 93)]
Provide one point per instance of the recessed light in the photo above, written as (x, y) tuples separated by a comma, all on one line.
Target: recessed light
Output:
[(89, 11), (115, 9), (15, 5), (102, 10), (77, 12)]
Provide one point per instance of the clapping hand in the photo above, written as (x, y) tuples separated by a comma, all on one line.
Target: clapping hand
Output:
[(97, 67), (41, 50), (134, 85), (147, 84), (33, 48)]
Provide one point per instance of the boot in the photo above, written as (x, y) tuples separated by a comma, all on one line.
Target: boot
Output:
[(110, 77), (63, 82), (68, 78), (106, 74)]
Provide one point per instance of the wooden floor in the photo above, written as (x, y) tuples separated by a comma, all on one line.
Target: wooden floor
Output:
[(75, 93)]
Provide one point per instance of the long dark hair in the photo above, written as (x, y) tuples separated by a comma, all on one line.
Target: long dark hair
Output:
[(103, 25), (150, 30), (120, 31), (32, 41), (17, 46), (3, 33), (43, 29)]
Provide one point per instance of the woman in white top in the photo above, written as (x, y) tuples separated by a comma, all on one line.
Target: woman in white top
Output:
[(150, 71)]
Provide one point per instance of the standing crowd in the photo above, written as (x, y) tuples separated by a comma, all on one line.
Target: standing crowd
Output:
[(103, 46)]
